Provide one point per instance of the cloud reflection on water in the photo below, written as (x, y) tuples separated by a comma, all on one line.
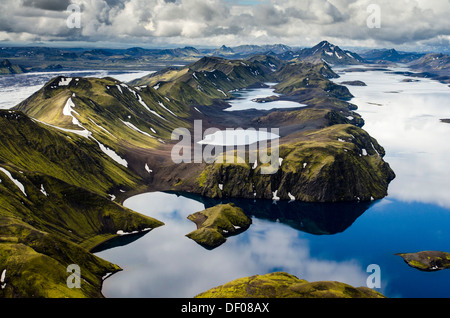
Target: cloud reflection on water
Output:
[(408, 126), (165, 263)]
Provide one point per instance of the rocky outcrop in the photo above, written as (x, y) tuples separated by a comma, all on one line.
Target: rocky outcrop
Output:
[(428, 261)]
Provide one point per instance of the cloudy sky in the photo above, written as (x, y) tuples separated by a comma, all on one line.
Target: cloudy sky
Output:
[(407, 24)]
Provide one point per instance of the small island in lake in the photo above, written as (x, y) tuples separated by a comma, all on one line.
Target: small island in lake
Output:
[(427, 260), (354, 83), (216, 223), (410, 80)]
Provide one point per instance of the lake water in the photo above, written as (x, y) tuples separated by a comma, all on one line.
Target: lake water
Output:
[(316, 241), (245, 99), (237, 137), (405, 119)]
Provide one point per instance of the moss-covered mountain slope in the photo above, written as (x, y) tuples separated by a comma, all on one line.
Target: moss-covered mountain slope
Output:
[(108, 110), (284, 285), (125, 122), (56, 205), (7, 68), (427, 261), (206, 80)]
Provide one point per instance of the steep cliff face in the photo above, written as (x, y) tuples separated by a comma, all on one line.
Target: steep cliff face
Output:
[(338, 163)]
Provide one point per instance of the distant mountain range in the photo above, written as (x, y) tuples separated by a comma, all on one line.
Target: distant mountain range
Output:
[(25, 59), (246, 50), (383, 56)]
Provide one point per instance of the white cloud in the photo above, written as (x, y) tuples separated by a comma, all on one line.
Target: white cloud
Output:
[(229, 22)]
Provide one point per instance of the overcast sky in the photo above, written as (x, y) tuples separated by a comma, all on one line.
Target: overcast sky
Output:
[(407, 24)]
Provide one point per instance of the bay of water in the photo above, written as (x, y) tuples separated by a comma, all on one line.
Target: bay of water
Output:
[(316, 241)]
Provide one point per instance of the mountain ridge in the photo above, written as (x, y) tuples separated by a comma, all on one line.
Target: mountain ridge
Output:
[(329, 53), (383, 56), (49, 58)]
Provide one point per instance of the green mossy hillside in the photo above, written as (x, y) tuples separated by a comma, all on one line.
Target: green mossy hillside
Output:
[(213, 78), (284, 285), (118, 115), (207, 80), (51, 226), (35, 264), (29, 145)]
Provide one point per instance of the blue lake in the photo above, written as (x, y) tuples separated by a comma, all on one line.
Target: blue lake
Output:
[(245, 99), (165, 263), (316, 241)]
